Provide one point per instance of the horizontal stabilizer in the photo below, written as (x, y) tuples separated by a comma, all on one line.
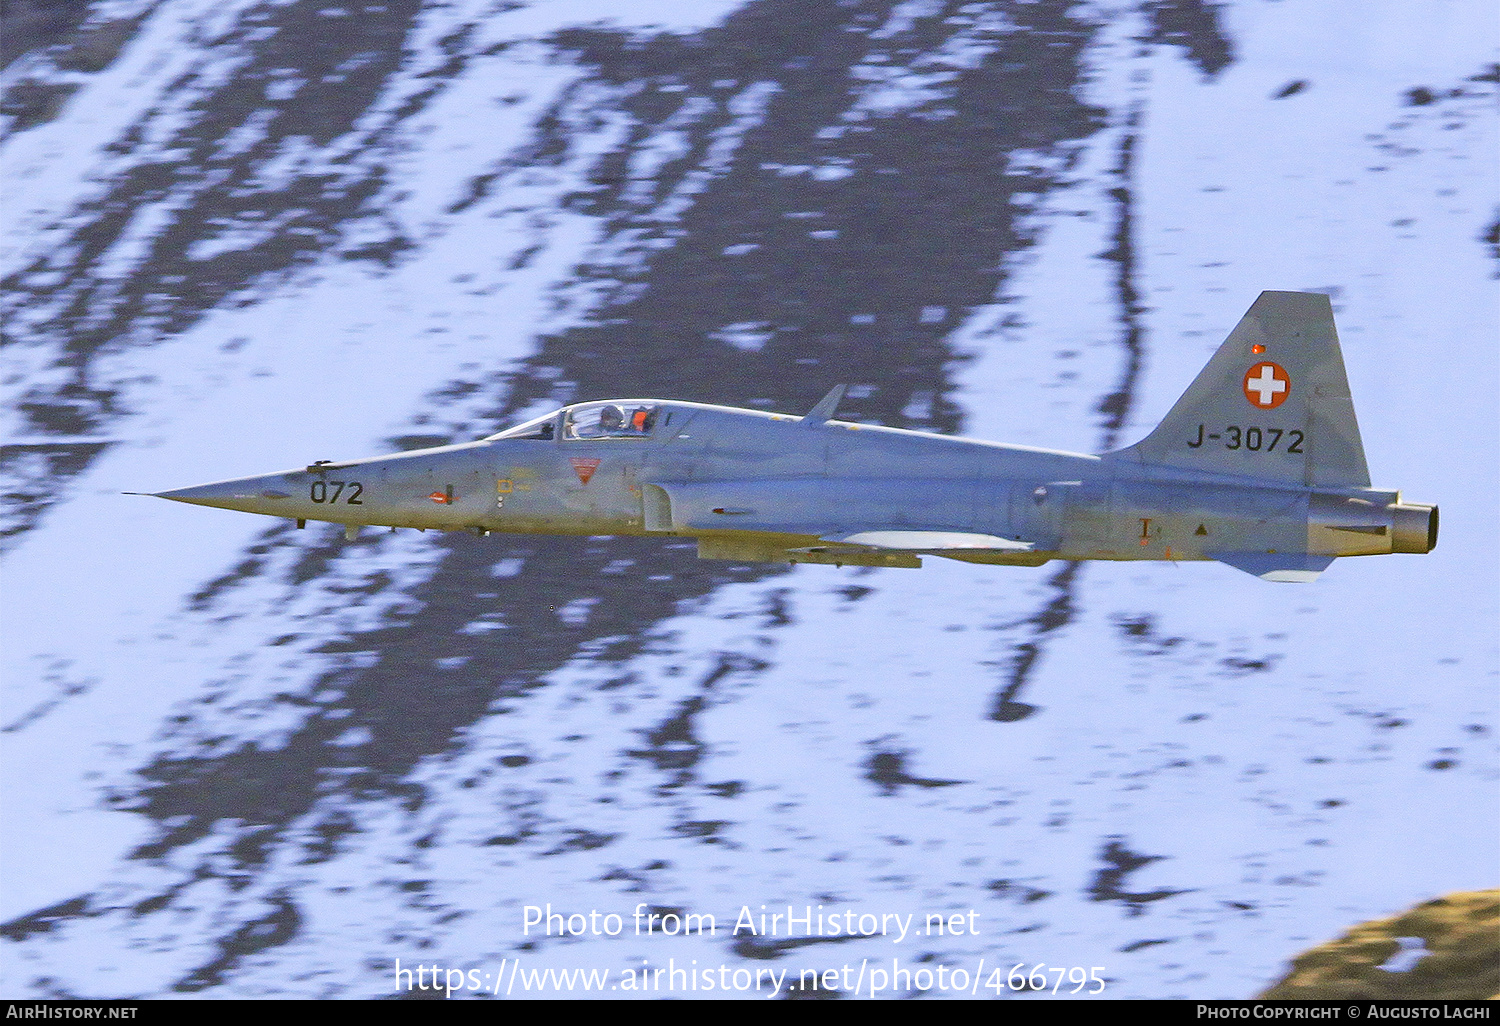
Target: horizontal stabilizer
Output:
[(935, 541), (1285, 567)]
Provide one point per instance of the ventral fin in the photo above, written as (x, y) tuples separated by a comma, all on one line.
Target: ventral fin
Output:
[(1283, 567)]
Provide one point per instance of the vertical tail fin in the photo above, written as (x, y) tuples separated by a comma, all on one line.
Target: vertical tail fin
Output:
[(1273, 403)]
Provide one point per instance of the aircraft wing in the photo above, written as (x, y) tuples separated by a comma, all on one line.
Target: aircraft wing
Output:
[(868, 522), (936, 542), (901, 548), (908, 514)]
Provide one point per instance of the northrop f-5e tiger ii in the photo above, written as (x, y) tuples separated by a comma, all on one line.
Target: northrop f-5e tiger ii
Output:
[(1259, 465)]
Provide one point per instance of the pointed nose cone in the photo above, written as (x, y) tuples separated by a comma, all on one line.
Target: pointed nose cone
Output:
[(270, 493)]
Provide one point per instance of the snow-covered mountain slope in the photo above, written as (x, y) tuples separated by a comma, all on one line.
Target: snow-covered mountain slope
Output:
[(242, 759)]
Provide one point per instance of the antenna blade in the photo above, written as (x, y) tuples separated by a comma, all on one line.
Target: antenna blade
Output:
[(826, 406)]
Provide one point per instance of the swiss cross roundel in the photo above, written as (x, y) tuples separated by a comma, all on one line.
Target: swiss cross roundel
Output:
[(1267, 385)]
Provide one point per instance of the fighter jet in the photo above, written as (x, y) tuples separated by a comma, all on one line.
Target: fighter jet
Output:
[(1259, 465)]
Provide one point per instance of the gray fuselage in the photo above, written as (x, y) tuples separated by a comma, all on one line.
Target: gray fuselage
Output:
[(753, 485), (1258, 465)]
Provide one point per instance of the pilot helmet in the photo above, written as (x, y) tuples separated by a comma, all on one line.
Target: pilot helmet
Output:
[(611, 419)]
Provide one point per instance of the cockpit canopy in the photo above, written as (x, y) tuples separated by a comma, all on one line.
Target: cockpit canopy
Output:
[(609, 420), (587, 421)]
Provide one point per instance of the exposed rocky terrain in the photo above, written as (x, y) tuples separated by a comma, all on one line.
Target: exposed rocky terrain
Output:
[(1445, 948)]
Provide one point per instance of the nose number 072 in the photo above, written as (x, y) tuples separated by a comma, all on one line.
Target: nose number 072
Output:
[(320, 492)]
